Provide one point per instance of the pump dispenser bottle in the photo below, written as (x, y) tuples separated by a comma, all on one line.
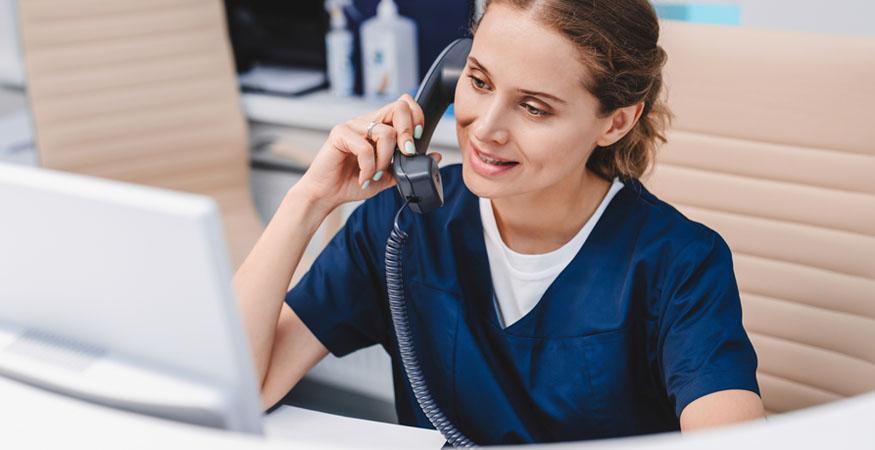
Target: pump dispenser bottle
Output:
[(338, 47), (389, 53)]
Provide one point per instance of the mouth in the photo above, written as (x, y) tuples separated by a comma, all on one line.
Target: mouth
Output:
[(492, 159), (488, 165)]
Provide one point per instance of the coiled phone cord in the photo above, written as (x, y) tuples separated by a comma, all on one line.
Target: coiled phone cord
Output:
[(398, 309)]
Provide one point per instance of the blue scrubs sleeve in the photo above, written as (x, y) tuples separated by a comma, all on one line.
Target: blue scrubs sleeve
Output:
[(704, 348), (341, 299)]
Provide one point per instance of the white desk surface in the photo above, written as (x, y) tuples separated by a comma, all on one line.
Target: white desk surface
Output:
[(322, 111), (31, 418), (301, 425)]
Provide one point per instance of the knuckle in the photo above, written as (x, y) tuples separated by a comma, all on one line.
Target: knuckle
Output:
[(338, 131), (385, 132), (403, 126), (364, 147)]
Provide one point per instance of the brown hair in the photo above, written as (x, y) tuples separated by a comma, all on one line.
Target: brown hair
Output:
[(618, 43)]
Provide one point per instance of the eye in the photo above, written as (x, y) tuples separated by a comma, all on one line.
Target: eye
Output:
[(532, 111), (478, 83)]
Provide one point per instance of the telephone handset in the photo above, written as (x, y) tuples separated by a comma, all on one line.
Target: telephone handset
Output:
[(418, 177), (419, 182)]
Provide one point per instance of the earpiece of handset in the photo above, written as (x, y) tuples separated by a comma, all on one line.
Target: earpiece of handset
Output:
[(417, 176)]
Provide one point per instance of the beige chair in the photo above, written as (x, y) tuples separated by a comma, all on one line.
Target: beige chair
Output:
[(773, 146), (142, 91)]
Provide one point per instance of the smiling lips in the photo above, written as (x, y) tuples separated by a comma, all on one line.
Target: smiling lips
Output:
[(491, 159), (488, 165)]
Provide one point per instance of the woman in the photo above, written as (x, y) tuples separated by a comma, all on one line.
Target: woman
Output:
[(552, 296)]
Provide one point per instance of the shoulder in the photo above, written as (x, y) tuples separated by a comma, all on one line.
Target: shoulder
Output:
[(670, 234), (378, 212), (453, 183)]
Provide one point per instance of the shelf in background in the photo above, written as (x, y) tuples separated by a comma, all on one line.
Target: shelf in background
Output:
[(322, 111)]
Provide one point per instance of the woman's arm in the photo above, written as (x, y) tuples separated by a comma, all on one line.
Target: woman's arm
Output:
[(261, 284), (721, 408), (708, 362), (353, 164)]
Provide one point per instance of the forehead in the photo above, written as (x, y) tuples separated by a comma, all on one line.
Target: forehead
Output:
[(520, 51)]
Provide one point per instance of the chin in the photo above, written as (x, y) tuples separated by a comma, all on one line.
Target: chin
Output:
[(471, 182), (480, 187)]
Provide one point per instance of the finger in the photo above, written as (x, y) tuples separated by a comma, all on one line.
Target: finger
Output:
[(382, 136), (354, 143), (418, 115), (436, 156), (383, 115), (385, 138), (402, 121), (386, 181)]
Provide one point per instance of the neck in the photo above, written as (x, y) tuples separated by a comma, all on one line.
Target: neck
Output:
[(545, 220)]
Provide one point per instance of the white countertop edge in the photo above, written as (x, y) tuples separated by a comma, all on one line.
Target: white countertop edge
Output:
[(322, 111)]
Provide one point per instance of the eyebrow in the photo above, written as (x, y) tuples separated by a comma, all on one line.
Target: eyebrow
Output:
[(522, 91)]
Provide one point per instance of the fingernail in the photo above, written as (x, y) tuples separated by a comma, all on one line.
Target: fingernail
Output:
[(378, 175), (417, 132), (366, 184), (409, 149)]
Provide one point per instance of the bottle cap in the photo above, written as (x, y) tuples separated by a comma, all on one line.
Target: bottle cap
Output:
[(338, 18), (387, 8)]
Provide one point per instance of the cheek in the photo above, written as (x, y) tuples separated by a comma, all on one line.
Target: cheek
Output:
[(563, 147), (464, 105)]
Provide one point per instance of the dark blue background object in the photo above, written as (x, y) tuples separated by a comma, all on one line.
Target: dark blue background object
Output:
[(292, 33), (438, 23)]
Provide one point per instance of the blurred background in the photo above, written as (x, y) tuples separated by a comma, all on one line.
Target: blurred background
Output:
[(258, 84)]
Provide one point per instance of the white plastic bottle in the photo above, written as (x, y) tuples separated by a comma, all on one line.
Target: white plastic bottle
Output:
[(389, 53), (338, 49)]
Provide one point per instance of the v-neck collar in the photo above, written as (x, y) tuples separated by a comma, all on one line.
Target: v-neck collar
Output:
[(475, 279)]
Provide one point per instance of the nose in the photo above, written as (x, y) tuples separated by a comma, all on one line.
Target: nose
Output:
[(491, 127)]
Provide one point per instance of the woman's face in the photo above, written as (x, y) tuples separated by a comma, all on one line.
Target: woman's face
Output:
[(524, 120)]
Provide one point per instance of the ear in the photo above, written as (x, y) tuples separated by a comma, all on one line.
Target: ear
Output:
[(619, 123)]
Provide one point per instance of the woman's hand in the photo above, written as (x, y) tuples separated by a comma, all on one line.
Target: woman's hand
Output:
[(350, 167)]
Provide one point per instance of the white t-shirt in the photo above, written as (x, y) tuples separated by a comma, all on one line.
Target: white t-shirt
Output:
[(520, 280)]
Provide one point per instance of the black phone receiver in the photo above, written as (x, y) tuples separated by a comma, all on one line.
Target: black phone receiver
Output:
[(419, 182), (418, 177)]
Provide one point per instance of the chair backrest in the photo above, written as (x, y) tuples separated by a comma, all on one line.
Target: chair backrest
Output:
[(773, 146), (142, 91)]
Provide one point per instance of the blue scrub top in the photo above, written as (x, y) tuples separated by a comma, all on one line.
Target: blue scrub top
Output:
[(645, 319)]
